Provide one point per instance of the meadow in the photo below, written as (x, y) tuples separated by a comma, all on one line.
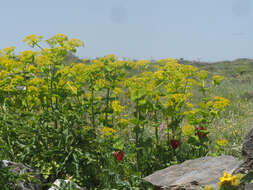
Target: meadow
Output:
[(106, 123)]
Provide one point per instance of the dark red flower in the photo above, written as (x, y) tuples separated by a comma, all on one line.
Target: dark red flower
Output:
[(201, 132), (174, 143), (119, 155)]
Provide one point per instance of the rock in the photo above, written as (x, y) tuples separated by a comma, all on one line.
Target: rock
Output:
[(248, 186), (193, 174), (247, 153), (19, 169), (62, 184)]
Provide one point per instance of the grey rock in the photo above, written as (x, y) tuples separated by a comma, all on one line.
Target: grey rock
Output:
[(21, 88), (247, 153), (248, 186), (66, 184), (193, 174), (20, 169)]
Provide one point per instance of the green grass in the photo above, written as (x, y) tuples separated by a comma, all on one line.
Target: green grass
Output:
[(237, 86)]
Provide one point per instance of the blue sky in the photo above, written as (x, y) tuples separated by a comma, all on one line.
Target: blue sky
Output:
[(207, 30)]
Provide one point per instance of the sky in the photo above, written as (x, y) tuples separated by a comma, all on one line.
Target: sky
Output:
[(202, 30)]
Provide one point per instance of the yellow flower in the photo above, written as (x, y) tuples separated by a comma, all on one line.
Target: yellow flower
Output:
[(33, 89), (172, 61), (117, 91), (203, 74), (191, 112), (8, 50), (99, 98), (27, 56), (156, 97), (229, 179), (117, 107), (222, 142), (123, 122), (236, 182), (225, 179), (36, 81), (189, 105), (235, 131), (142, 63), (42, 61), (188, 129), (158, 75), (178, 98), (217, 79), (17, 79), (32, 39), (73, 43), (208, 187), (61, 83), (57, 39), (169, 61), (32, 68), (44, 88), (107, 131), (100, 83), (209, 104), (220, 102)]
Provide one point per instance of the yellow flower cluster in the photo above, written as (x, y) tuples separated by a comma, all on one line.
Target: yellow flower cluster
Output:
[(203, 74), (123, 122), (208, 187), (100, 83), (117, 91), (73, 43), (170, 61), (33, 90), (61, 42), (191, 112), (188, 129), (220, 102), (31, 68), (7, 51), (107, 131), (142, 63), (77, 71), (222, 142), (43, 61), (229, 179), (32, 39), (58, 38), (189, 105), (27, 56), (217, 79), (117, 107)]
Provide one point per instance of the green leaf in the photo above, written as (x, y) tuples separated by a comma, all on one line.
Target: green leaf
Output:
[(119, 145), (247, 178)]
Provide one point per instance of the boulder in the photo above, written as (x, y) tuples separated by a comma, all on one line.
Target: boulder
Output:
[(193, 174), (65, 184), (19, 169), (248, 186), (247, 153)]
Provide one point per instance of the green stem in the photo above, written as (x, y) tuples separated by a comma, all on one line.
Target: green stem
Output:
[(107, 106), (156, 128), (137, 136), (92, 109)]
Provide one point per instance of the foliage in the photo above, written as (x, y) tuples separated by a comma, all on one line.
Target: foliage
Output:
[(104, 123)]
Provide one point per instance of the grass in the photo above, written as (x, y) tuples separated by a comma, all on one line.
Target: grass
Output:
[(237, 86)]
